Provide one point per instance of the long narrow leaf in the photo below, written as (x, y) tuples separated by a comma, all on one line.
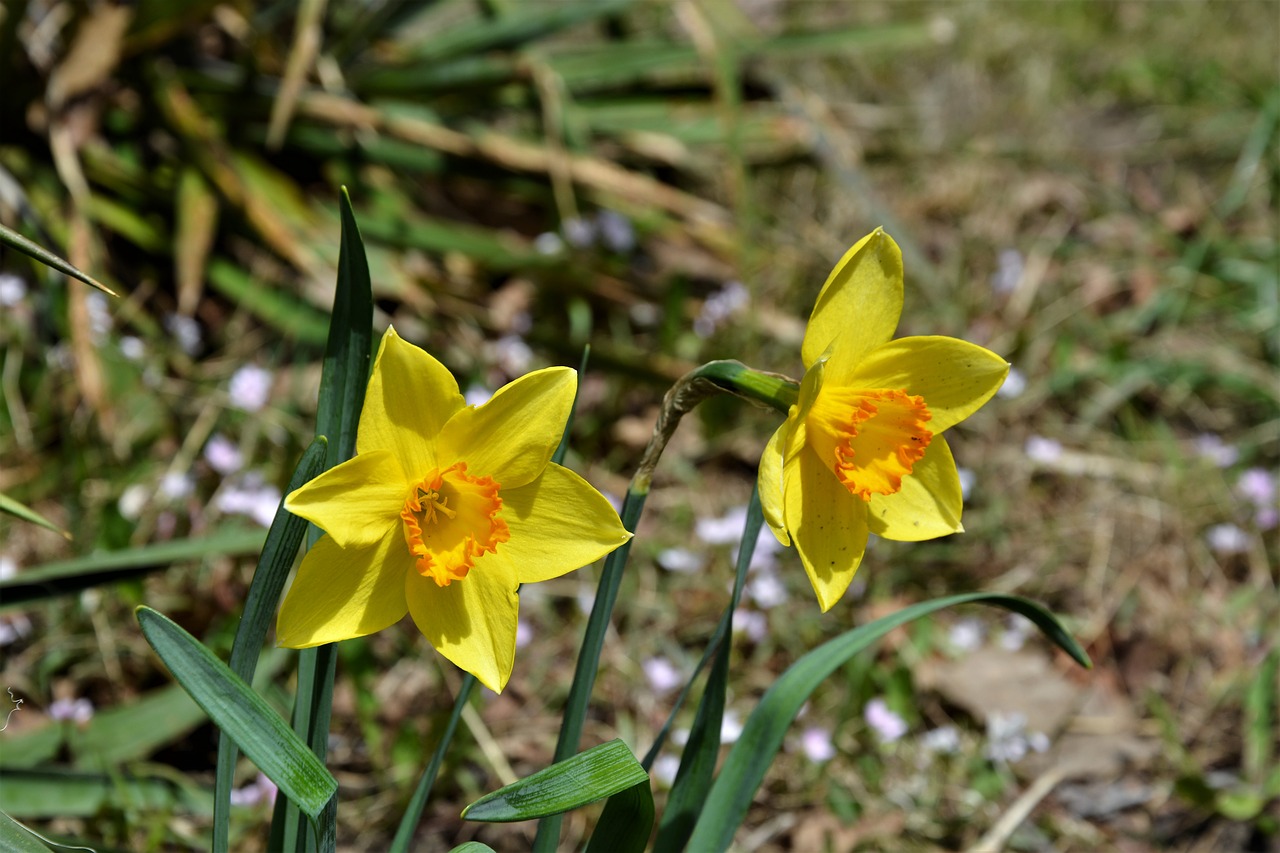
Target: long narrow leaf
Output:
[(626, 822), (342, 389), (762, 736), (698, 763), (74, 575), (26, 513), (16, 838), (600, 772), (15, 240), (241, 714), (269, 578)]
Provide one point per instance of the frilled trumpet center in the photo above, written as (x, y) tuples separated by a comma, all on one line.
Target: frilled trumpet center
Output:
[(870, 438), (450, 520)]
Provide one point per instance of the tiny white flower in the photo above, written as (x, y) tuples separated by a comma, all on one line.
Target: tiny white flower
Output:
[(1258, 487), (944, 739), (1017, 629), (1015, 383), (1214, 449), (8, 567), (222, 454), (615, 231), (966, 635), (662, 675), (1227, 539), (132, 348), (512, 355), (1041, 449), (665, 769), (1009, 267), (476, 395), (680, 560), (250, 388), (578, 232), (176, 485), (523, 634), (78, 711), (887, 725), (99, 315), (133, 500), (730, 727), (968, 479), (12, 290), (548, 243), (186, 331), (766, 590), (816, 745), (751, 623)]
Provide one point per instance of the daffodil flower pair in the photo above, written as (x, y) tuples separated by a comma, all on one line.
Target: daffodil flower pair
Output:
[(444, 511), (862, 449)]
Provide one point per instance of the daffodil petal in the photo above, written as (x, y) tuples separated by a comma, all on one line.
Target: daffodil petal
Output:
[(357, 502), (558, 523), (798, 417), (827, 524), (471, 621), (860, 303), (928, 504), (410, 398), (512, 436), (769, 484), (955, 377), (340, 593)]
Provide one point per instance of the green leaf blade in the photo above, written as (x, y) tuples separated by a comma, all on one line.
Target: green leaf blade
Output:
[(241, 714)]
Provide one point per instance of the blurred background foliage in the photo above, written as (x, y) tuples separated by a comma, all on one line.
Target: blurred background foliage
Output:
[(1088, 188)]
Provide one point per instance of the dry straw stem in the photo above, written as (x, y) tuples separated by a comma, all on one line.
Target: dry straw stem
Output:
[(707, 221)]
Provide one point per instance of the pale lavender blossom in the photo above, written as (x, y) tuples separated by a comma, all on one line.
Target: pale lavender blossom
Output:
[(887, 725), (723, 530), (944, 739), (12, 290), (477, 395), (185, 331), (523, 634), (1041, 449), (250, 388), (750, 622), (512, 355), (578, 232), (1227, 539), (968, 479), (662, 675), (1258, 487), (13, 627), (681, 560), (665, 769), (1267, 518), (1017, 629), (816, 745), (1009, 267), (1015, 383), (78, 711), (260, 790), (251, 496), (766, 590), (1008, 739), (1214, 449), (222, 454), (966, 635), (719, 307), (99, 315), (616, 232), (548, 243)]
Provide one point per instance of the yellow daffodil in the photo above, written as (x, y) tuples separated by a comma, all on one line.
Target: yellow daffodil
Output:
[(862, 449), (443, 512)]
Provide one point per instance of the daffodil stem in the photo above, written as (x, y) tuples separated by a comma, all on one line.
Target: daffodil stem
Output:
[(714, 377)]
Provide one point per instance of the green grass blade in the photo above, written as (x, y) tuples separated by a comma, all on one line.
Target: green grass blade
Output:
[(241, 714), (752, 755), (268, 303), (1260, 708), (473, 847), (26, 513), (600, 772), (58, 793), (15, 240), (584, 675), (68, 576), (413, 812), (342, 388), (16, 838), (701, 752), (626, 822), (283, 540)]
